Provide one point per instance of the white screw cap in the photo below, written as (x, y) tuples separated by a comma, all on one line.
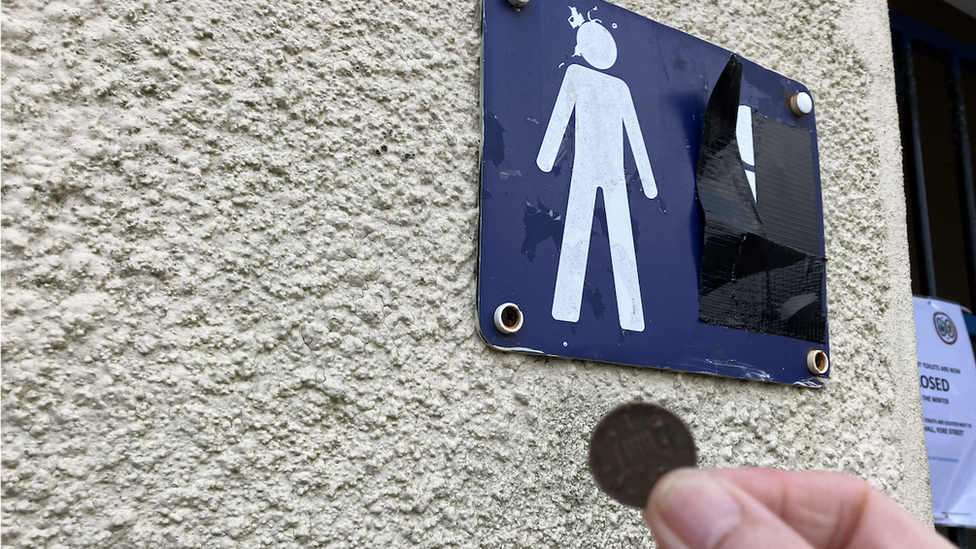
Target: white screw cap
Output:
[(508, 318), (817, 362), (801, 103)]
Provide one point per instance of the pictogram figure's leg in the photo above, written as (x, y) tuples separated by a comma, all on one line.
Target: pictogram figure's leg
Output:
[(623, 257), (571, 271)]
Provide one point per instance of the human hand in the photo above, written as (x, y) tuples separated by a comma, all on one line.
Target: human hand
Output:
[(767, 508)]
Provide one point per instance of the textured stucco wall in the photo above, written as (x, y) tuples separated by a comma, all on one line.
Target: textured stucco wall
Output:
[(239, 270)]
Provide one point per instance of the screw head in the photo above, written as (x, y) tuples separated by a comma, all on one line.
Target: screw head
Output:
[(801, 103), (518, 3)]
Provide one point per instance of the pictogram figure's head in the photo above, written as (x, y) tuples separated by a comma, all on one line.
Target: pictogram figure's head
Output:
[(594, 43)]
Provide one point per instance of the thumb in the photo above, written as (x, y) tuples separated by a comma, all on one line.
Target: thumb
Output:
[(692, 509)]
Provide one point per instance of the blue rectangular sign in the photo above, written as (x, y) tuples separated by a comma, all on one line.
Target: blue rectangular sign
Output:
[(613, 230)]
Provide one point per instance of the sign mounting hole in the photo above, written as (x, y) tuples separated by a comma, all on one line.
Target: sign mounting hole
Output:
[(817, 362), (508, 318)]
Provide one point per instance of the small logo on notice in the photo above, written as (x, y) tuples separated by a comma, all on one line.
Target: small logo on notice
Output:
[(945, 327)]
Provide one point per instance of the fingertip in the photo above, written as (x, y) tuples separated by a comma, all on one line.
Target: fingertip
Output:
[(692, 506), (658, 497)]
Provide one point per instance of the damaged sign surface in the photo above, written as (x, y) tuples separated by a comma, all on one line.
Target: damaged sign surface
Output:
[(647, 199)]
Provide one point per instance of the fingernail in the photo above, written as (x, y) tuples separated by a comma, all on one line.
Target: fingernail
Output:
[(697, 508)]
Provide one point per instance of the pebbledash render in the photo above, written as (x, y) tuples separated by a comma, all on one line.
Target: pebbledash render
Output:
[(239, 280)]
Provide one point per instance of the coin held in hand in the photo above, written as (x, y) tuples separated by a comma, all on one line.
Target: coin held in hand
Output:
[(634, 446)]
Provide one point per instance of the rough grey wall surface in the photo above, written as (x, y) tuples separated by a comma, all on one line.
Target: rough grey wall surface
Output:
[(239, 270)]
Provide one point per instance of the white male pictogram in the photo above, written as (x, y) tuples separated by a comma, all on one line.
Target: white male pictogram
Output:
[(604, 114)]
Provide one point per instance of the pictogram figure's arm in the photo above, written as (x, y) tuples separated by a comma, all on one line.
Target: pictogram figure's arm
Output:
[(561, 112), (636, 138)]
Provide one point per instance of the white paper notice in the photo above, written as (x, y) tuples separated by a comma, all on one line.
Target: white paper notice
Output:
[(947, 375)]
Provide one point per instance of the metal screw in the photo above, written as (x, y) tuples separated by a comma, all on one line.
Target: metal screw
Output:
[(817, 362), (508, 318), (801, 103), (518, 3)]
